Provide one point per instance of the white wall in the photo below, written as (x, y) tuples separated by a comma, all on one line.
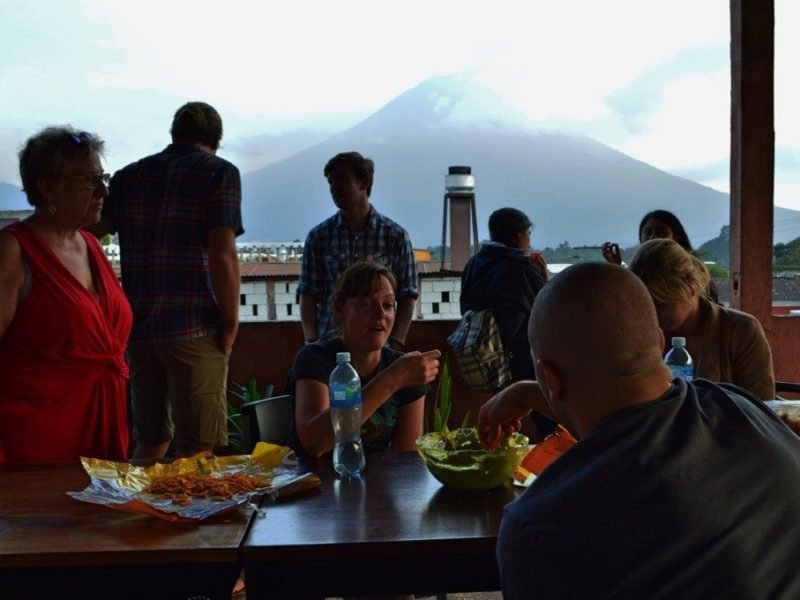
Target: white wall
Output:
[(439, 298), (254, 307), (286, 306)]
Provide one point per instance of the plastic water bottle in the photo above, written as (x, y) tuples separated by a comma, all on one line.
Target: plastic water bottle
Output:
[(679, 361), (344, 388)]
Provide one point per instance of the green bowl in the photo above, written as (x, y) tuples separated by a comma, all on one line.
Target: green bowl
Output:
[(459, 461)]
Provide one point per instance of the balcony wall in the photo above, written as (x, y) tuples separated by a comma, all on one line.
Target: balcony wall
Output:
[(783, 334), (266, 351)]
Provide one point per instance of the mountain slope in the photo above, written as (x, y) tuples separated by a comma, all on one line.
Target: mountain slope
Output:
[(12, 198), (572, 187)]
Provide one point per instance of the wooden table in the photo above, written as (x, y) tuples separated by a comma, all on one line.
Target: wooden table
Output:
[(396, 530), (52, 546)]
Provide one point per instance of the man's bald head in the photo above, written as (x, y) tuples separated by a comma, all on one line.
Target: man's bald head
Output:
[(596, 322)]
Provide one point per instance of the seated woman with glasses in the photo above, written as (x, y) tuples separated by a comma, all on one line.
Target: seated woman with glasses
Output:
[(726, 345), (393, 384), (64, 320)]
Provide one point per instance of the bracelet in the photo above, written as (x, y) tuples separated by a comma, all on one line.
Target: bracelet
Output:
[(397, 340)]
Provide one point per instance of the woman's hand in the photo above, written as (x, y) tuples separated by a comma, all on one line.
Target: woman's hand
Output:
[(415, 368), (612, 253), (541, 265)]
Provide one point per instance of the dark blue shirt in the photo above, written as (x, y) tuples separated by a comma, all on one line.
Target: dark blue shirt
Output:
[(693, 495), (506, 280)]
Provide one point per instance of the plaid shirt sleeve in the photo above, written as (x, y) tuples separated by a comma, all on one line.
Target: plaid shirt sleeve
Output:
[(405, 268), (225, 201), (310, 275)]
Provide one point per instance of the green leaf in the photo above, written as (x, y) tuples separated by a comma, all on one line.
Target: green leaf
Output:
[(443, 405), (445, 389), (465, 422), (252, 390), (238, 390)]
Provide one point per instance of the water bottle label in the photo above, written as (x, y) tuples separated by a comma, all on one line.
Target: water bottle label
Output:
[(346, 398), (683, 372)]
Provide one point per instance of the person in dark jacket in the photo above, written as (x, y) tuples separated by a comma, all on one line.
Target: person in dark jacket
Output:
[(503, 276)]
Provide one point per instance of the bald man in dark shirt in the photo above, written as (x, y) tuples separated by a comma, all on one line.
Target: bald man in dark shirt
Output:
[(674, 490)]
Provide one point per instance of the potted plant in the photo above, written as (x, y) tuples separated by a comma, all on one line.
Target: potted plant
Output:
[(244, 393)]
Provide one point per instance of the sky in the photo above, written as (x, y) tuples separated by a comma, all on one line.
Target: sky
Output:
[(649, 78)]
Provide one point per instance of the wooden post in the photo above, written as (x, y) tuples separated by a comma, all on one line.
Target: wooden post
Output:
[(752, 155)]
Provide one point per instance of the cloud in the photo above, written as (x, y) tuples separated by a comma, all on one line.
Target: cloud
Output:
[(255, 152), (644, 95), (788, 159), (713, 171)]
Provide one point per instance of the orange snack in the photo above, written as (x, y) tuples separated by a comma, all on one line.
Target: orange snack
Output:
[(549, 449), (182, 489)]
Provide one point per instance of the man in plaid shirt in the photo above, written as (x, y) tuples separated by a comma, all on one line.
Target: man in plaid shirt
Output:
[(356, 232), (178, 213)]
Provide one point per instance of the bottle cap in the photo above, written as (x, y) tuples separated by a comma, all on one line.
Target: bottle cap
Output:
[(679, 341), (342, 357)]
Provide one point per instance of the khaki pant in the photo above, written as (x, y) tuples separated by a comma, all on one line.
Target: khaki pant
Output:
[(178, 390)]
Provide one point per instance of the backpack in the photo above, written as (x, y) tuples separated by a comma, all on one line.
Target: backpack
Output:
[(476, 343)]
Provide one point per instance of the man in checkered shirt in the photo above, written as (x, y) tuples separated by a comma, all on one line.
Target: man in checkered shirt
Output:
[(178, 213), (356, 232)]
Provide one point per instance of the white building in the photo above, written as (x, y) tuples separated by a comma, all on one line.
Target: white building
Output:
[(269, 292)]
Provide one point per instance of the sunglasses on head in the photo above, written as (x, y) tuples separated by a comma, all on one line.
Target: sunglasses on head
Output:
[(78, 138)]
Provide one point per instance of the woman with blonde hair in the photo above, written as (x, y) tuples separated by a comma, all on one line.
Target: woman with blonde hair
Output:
[(726, 345)]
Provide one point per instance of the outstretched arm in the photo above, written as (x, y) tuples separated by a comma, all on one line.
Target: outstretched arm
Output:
[(502, 415)]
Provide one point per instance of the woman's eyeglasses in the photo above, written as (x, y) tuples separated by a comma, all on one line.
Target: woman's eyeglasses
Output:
[(91, 181)]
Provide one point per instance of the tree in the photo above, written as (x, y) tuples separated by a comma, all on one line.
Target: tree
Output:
[(786, 257), (718, 249)]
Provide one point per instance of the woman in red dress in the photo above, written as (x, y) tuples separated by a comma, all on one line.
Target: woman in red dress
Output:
[(64, 320)]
